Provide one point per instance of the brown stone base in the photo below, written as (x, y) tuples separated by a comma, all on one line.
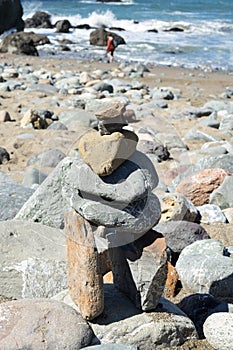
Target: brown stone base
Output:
[(84, 272)]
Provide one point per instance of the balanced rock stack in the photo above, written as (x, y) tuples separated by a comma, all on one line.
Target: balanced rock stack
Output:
[(110, 189)]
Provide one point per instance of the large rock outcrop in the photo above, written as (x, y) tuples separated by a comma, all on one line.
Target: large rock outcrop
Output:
[(11, 13), (40, 19), (98, 37), (22, 43)]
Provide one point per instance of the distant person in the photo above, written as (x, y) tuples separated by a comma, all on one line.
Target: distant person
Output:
[(110, 48)]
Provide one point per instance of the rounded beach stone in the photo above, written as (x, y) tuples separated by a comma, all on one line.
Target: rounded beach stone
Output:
[(198, 187), (42, 323), (4, 155), (105, 153), (218, 330), (112, 347), (209, 271)]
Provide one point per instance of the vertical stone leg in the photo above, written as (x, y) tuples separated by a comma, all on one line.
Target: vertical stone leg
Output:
[(84, 273), (140, 269), (122, 275)]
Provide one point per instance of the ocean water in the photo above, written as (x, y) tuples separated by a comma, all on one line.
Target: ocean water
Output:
[(206, 41)]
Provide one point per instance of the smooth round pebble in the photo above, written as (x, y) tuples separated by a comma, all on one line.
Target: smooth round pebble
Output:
[(112, 347), (38, 324), (218, 330)]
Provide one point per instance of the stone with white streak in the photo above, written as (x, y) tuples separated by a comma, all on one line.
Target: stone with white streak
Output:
[(209, 270), (32, 260)]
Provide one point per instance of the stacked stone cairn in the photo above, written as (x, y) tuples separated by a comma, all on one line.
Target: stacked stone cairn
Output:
[(113, 211)]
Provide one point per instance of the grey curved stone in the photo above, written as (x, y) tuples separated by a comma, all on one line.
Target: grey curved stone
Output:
[(119, 193), (132, 222), (52, 199), (125, 215)]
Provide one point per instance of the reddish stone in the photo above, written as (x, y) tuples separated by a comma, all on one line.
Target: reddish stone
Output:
[(198, 187), (171, 282), (84, 267)]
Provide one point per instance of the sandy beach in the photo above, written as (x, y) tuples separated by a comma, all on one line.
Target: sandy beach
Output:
[(195, 88)]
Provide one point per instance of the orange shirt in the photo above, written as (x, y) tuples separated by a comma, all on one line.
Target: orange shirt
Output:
[(110, 46)]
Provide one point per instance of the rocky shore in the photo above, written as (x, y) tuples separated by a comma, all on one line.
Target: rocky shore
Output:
[(182, 120)]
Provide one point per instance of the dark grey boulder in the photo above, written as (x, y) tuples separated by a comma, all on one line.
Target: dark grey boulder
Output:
[(200, 306), (4, 155), (22, 43), (40, 19), (11, 13), (152, 147), (98, 37), (179, 234), (63, 26), (102, 86)]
